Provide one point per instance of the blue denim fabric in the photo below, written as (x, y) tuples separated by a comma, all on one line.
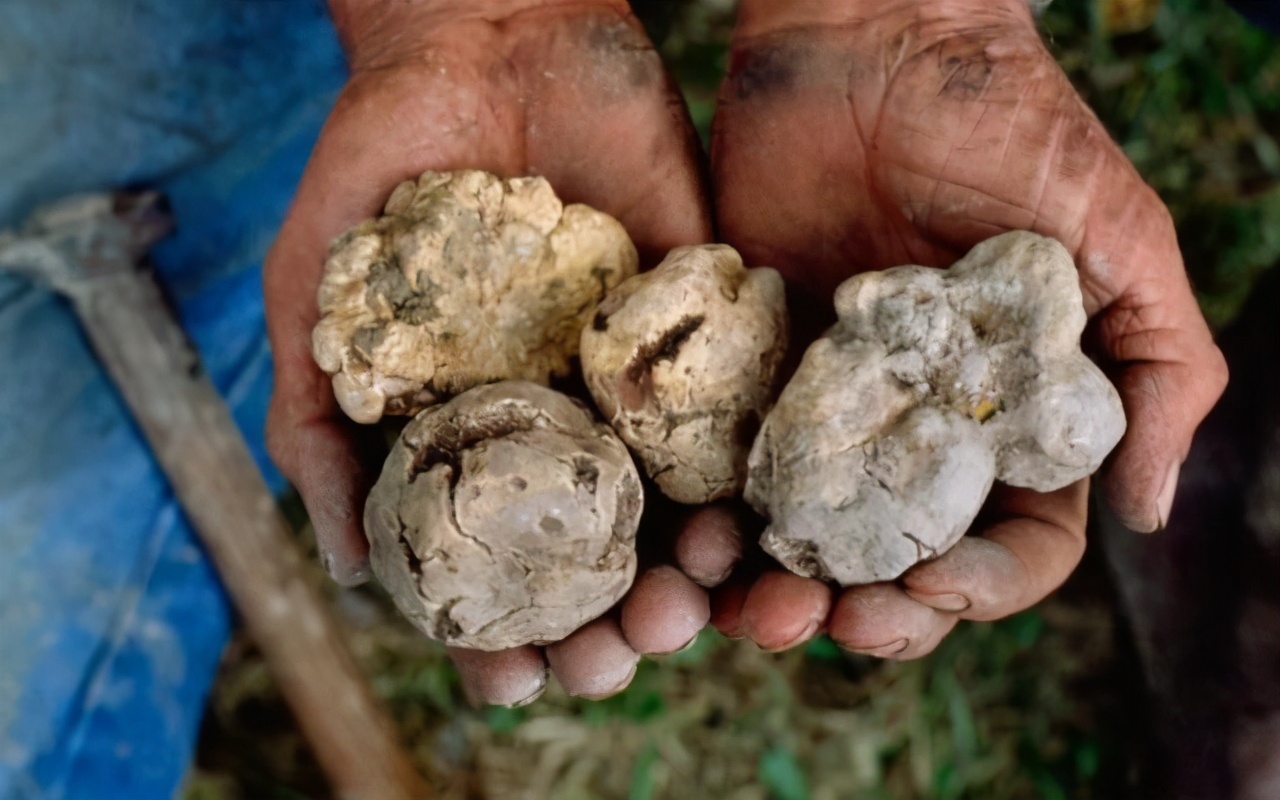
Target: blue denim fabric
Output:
[(111, 620)]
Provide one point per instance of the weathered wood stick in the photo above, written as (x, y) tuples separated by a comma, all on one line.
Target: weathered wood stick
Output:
[(88, 249)]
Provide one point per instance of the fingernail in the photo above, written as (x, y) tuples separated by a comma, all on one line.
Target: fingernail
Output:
[(541, 690), (1164, 502), (682, 648), (807, 634), (949, 601), (689, 646), (356, 575), (885, 650), (607, 693), (476, 695)]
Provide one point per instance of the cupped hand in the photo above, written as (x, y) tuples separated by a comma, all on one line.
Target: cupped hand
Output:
[(861, 135), (572, 91)]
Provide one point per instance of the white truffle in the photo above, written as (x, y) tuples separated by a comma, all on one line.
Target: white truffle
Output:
[(932, 385), (505, 516), (681, 360), (465, 279)]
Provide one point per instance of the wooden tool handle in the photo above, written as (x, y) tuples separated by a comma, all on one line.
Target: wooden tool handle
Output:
[(87, 248), (216, 480)]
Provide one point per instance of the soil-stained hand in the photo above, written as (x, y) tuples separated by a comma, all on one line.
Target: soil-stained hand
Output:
[(859, 135), (571, 91)]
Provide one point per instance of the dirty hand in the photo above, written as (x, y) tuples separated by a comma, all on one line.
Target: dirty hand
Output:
[(570, 91), (863, 134)]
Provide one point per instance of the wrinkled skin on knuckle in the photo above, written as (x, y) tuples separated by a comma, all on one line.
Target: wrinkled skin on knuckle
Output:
[(1215, 374)]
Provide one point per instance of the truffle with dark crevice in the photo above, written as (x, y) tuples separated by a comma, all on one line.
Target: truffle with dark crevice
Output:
[(505, 516), (681, 360)]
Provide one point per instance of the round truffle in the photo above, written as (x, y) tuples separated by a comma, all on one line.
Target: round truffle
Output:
[(465, 279), (505, 516), (932, 385), (682, 359)]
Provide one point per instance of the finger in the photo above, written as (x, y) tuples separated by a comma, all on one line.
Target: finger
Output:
[(664, 611), (783, 610), (325, 456), (881, 620), (1015, 563), (727, 603), (1164, 403), (595, 661), (329, 463), (1154, 341), (709, 544), (513, 677)]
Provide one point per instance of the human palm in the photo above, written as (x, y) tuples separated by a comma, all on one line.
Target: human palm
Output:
[(850, 136), (853, 136), (574, 93)]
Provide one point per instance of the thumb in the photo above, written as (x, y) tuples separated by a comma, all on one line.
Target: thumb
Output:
[(1163, 361), (331, 463), (328, 459), (1165, 403), (324, 460)]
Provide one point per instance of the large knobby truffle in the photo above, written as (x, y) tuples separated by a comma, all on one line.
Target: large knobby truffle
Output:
[(465, 279), (505, 516), (932, 384), (681, 360)]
